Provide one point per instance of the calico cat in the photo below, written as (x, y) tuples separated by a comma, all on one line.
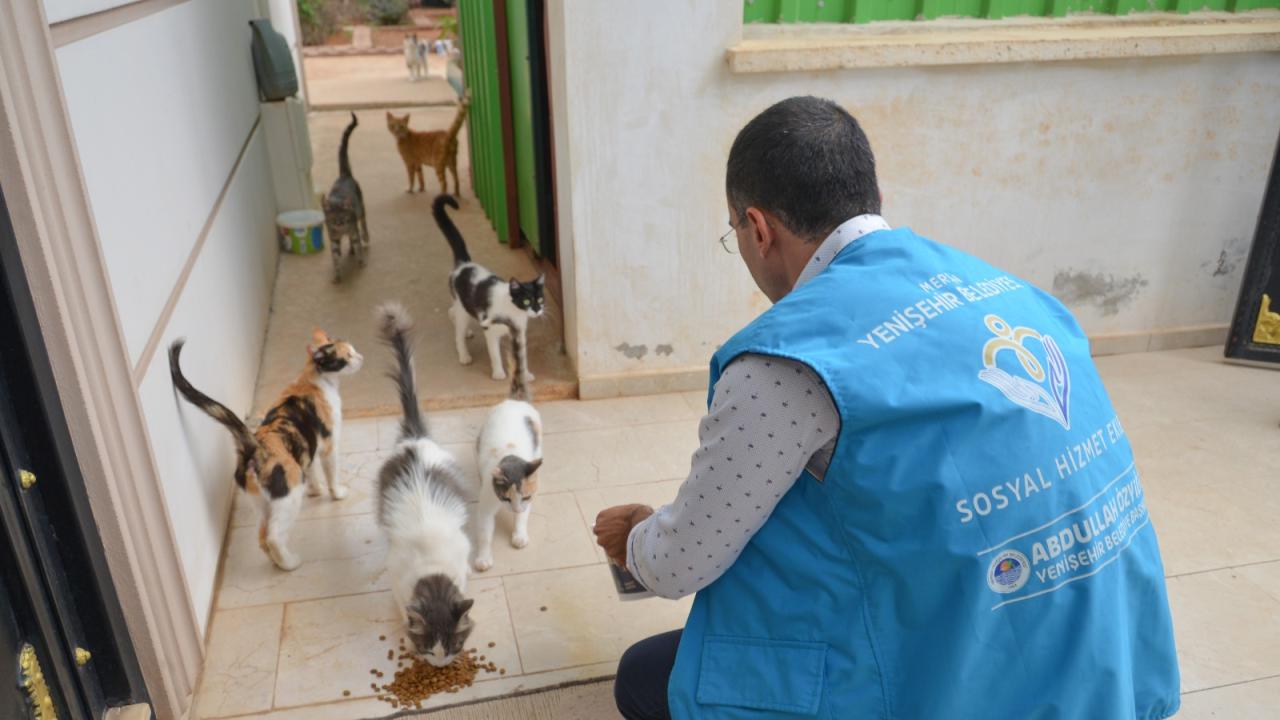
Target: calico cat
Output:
[(303, 424), (437, 148), (508, 453), (500, 306), (422, 510), (344, 210)]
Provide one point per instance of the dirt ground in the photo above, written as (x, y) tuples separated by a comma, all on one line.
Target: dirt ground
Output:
[(373, 81)]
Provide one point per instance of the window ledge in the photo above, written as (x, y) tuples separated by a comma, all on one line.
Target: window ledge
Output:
[(807, 47)]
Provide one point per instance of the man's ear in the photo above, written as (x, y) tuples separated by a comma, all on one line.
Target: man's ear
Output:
[(763, 236)]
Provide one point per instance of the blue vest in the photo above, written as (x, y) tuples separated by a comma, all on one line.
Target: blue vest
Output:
[(979, 546)]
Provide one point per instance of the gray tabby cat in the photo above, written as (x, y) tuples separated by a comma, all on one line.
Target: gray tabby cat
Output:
[(344, 210), (500, 306)]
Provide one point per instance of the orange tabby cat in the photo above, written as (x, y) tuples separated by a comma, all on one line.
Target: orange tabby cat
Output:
[(437, 148)]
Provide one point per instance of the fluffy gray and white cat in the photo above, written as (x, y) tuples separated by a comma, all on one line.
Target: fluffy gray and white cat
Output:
[(424, 515), (500, 306), (508, 454), (344, 210)]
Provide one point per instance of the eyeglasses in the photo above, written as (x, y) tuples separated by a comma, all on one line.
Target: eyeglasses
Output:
[(730, 248)]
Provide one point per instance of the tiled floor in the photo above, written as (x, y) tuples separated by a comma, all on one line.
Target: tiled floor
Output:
[(285, 645), (281, 643)]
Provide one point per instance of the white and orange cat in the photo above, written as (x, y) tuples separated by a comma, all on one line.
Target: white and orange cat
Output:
[(303, 425), (508, 454)]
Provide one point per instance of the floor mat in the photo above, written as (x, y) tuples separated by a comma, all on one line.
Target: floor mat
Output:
[(588, 701)]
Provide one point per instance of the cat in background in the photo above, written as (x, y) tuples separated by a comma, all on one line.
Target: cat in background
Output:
[(415, 57), (344, 210), (422, 510), (500, 306), (304, 424), (508, 454), (437, 148)]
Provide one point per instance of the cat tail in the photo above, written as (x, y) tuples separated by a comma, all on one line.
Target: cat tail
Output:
[(519, 386), (394, 325), (451, 234), (246, 445), (344, 165), (458, 119)]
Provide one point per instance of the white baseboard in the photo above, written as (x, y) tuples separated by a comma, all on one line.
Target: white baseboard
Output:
[(1154, 340), (596, 387)]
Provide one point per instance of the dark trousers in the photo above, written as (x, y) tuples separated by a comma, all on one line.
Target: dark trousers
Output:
[(641, 687)]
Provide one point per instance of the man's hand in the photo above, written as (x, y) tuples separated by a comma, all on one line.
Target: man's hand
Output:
[(613, 526)]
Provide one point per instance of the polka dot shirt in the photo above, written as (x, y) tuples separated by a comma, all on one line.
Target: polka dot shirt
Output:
[(770, 420)]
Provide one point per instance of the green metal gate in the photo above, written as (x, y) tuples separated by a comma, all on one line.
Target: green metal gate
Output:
[(862, 11), (519, 54), (484, 130), (502, 46)]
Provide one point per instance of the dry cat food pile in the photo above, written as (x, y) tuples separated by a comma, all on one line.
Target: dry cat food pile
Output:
[(416, 679)]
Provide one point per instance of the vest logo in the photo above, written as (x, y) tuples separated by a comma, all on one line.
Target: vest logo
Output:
[(1045, 393), (1008, 572)]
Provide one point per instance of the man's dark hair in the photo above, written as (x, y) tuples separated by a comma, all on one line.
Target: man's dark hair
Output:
[(807, 161)]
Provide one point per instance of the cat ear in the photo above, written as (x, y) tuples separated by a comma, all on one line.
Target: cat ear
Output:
[(461, 607), (542, 279), (514, 284), (319, 337), (417, 623), (532, 467), (389, 116)]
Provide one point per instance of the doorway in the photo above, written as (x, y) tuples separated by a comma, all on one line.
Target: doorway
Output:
[(62, 634), (408, 258)]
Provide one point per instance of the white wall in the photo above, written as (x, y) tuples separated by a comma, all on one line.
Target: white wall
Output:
[(1130, 188), (223, 315), (161, 108), (59, 10)]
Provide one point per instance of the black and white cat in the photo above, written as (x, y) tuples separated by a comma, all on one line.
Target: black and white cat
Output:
[(344, 210), (422, 510), (500, 306)]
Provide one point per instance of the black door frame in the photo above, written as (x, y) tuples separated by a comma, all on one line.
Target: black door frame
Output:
[(60, 563), (542, 141), (1259, 271)]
